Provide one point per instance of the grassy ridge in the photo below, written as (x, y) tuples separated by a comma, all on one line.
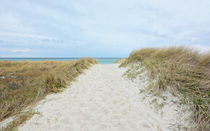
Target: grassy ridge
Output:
[(119, 60), (183, 69), (23, 83)]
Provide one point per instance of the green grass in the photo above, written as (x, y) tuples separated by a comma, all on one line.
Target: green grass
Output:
[(26, 82), (183, 69)]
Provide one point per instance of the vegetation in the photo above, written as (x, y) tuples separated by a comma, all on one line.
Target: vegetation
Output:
[(18, 120), (184, 69), (119, 60), (26, 82)]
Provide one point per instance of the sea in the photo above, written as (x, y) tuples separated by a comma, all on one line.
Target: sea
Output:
[(100, 60)]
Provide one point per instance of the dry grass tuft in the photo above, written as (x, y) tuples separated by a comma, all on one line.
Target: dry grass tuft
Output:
[(26, 82), (119, 60), (184, 69), (18, 120)]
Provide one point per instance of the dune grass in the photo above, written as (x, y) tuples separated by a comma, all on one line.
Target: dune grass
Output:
[(183, 69), (18, 120), (119, 60), (26, 82)]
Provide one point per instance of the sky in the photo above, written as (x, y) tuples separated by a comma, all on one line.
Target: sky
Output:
[(100, 28)]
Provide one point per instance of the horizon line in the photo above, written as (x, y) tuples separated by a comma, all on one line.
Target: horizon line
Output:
[(60, 57)]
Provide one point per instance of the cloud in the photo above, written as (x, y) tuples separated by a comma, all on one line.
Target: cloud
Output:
[(201, 48), (109, 28), (21, 50)]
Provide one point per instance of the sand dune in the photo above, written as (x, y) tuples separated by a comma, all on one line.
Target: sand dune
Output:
[(100, 100)]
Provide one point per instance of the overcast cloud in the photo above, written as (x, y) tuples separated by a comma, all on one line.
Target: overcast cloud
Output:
[(100, 28)]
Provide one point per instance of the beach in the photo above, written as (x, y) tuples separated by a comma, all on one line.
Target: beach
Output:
[(100, 99), (104, 65)]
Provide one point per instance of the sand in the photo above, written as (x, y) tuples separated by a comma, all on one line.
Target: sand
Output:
[(100, 100)]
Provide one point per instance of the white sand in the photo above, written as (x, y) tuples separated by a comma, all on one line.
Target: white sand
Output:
[(100, 100)]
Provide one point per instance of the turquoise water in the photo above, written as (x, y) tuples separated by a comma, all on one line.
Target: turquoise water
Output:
[(100, 60)]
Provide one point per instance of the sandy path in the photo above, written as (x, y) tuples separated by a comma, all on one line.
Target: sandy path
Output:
[(101, 99)]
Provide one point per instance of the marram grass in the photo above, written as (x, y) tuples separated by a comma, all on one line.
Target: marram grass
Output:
[(119, 60), (184, 69), (26, 82)]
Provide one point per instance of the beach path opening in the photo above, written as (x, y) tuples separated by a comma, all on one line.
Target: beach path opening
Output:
[(100, 99)]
